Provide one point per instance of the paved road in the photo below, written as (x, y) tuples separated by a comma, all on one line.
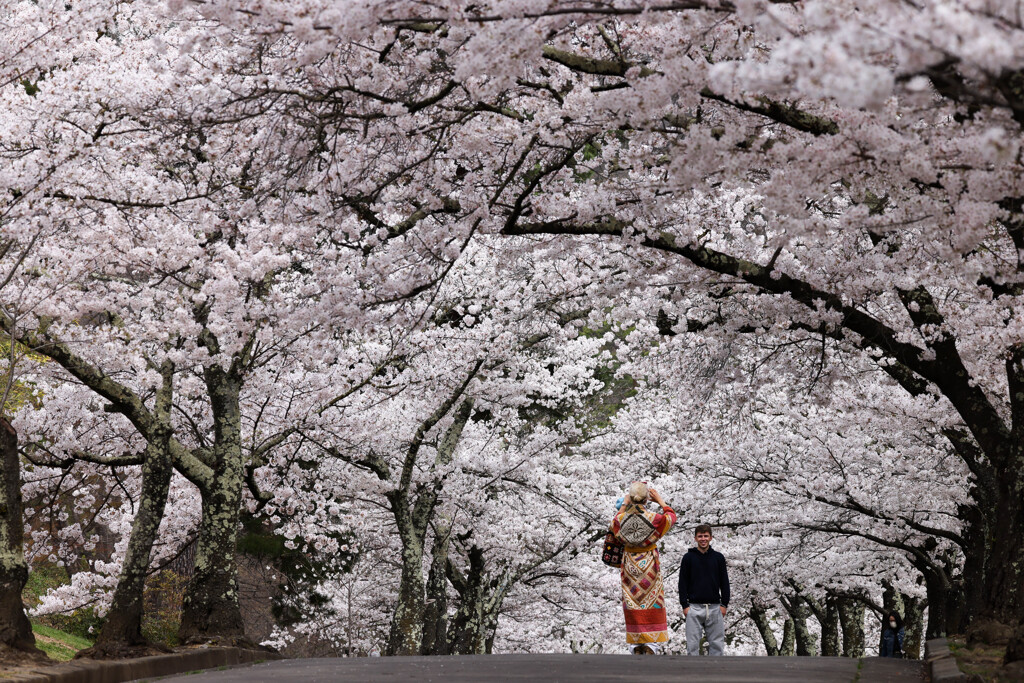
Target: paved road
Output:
[(573, 668)]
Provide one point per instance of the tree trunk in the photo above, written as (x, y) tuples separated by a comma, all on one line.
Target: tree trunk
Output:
[(830, 628), (805, 646), (406, 635), (827, 616), (435, 617), (798, 612), (788, 648), (892, 600), (971, 586), (15, 629), (759, 616), (210, 609), (851, 619), (123, 626), (480, 600), (1003, 592), (938, 591), (467, 634), (913, 622)]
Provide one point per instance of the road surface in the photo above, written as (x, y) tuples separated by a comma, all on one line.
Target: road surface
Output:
[(572, 668)]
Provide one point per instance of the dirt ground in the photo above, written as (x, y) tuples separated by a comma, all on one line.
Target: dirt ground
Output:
[(15, 661), (985, 662)]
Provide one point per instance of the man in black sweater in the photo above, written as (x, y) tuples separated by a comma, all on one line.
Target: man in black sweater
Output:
[(704, 592)]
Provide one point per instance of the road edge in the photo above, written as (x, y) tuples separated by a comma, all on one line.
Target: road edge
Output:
[(155, 666), (941, 664)]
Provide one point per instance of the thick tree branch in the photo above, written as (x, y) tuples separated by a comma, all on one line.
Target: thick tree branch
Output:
[(947, 371)]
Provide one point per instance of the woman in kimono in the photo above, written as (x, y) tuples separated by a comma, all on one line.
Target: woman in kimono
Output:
[(643, 593)]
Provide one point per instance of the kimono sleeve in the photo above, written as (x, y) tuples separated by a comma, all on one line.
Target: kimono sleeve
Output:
[(664, 521)]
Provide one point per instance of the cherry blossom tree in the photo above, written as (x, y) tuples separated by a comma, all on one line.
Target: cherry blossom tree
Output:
[(842, 176), (859, 215)]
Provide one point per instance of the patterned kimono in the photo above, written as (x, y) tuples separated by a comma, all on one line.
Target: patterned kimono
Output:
[(643, 593)]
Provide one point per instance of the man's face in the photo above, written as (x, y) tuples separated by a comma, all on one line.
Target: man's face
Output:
[(703, 540)]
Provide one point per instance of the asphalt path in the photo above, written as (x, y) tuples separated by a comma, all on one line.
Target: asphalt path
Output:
[(596, 668)]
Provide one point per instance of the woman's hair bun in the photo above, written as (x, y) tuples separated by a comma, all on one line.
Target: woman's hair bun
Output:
[(638, 491)]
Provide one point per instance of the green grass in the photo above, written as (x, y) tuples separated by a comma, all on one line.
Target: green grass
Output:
[(56, 644), (860, 670)]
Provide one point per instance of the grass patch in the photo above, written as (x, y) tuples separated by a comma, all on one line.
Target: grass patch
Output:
[(43, 577), (57, 644), (160, 619)]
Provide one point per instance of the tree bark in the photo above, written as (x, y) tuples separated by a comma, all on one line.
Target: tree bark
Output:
[(913, 622), (798, 612), (972, 580), (481, 595), (210, 609), (435, 619), (475, 621), (468, 632), (406, 635), (937, 589), (830, 628), (827, 616), (788, 648), (892, 600), (122, 628), (851, 619), (15, 629), (1003, 587), (759, 616)]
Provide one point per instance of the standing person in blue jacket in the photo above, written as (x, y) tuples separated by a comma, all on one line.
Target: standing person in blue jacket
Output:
[(892, 636), (704, 592)]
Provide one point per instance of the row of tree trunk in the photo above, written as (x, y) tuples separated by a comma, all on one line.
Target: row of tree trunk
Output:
[(210, 611), (841, 623)]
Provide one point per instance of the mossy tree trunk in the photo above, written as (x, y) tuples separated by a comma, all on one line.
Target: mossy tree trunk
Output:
[(913, 622), (851, 620), (413, 510), (122, 628), (482, 591), (435, 616), (971, 583), (830, 628), (892, 600), (211, 600), (788, 648), (759, 615), (15, 629), (480, 598), (210, 609), (827, 615), (413, 514), (798, 611), (941, 593)]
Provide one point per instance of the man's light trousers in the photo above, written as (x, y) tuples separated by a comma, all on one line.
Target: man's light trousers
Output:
[(706, 620)]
